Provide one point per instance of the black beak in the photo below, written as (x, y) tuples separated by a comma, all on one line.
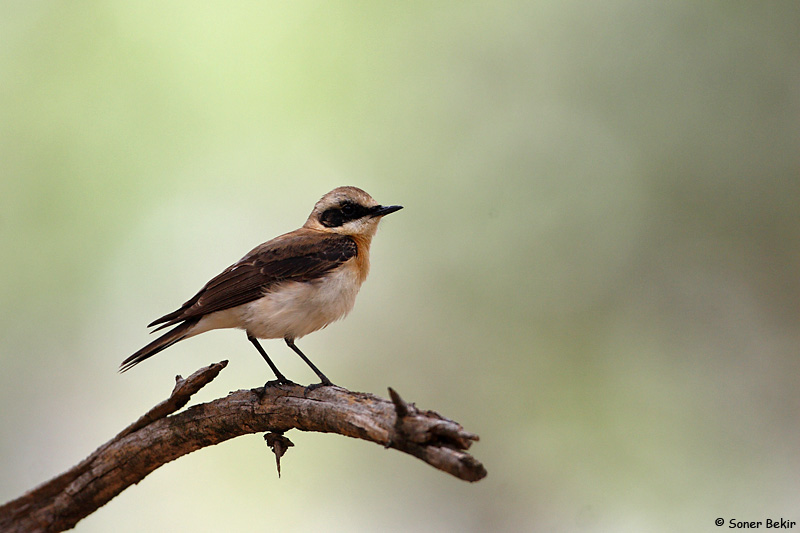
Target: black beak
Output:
[(382, 210)]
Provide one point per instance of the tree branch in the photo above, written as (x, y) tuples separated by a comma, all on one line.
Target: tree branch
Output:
[(160, 436)]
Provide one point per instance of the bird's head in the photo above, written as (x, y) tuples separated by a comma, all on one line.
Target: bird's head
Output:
[(348, 211)]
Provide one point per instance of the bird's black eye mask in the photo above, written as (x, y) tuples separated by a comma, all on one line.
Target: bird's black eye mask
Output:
[(345, 212)]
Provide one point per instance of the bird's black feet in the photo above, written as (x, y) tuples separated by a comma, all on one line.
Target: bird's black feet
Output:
[(325, 382), (274, 383), (281, 379), (314, 386), (279, 382)]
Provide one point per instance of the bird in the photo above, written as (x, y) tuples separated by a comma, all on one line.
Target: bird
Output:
[(287, 287)]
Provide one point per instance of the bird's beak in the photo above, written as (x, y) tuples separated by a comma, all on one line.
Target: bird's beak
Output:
[(382, 210)]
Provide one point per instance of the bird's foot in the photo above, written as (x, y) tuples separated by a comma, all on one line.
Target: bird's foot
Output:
[(276, 383), (314, 386), (279, 382)]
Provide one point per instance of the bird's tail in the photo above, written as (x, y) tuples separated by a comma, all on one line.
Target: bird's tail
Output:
[(166, 340)]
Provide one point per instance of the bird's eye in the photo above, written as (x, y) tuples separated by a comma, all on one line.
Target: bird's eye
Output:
[(348, 210)]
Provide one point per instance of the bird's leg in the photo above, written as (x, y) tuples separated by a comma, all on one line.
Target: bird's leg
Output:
[(325, 380), (281, 378)]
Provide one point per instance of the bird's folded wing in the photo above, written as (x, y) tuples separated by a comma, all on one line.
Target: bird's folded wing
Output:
[(301, 255)]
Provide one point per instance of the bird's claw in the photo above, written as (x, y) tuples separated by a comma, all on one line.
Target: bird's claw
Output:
[(315, 386)]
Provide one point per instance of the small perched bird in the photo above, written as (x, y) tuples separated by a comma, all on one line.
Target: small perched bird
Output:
[(288, 287)]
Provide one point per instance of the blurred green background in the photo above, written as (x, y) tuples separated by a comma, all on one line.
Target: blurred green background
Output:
[(597, 268)]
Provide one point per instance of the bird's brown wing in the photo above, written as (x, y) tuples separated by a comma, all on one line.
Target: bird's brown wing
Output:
[(301, 255)]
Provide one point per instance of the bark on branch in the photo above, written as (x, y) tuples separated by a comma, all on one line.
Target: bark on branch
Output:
[(160, 436)]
